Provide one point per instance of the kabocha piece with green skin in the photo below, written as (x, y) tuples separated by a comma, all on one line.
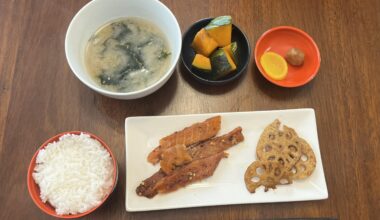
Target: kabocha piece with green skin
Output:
[(219, 21), (222, 64), (235, 52), (232, 50), (220, 28)]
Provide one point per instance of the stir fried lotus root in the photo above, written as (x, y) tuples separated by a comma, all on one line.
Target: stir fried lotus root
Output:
[(307, 163), (283, 156), (267, 174), (279, 145)]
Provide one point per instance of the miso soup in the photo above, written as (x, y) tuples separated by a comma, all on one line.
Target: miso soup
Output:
[(127, 54)]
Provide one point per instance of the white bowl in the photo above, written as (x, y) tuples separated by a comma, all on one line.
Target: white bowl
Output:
[(99, 12)]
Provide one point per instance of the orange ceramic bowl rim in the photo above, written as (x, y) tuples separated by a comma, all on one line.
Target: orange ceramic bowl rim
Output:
[(303, 33), (32, 186)]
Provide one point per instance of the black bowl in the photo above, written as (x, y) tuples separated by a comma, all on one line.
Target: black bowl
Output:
[(188, 54)]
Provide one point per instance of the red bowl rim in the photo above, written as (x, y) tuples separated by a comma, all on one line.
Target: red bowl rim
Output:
[(279, 82), (32, 164)]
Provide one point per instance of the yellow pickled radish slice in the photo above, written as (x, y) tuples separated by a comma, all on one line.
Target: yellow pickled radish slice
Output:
[(274, 65)]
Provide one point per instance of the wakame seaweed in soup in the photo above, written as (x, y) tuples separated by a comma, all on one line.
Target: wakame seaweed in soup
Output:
[(128, 54)]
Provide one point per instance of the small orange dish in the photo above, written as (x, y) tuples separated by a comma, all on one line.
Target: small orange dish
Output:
[(280, 40), (34, 189)]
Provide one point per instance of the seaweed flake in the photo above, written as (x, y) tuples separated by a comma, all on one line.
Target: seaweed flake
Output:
[(164, 54), (121, 30), (136, 61), (146, 43), (108, 80)]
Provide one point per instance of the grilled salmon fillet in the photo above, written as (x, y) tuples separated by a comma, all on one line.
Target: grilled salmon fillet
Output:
[(202, 154), (190, 135)]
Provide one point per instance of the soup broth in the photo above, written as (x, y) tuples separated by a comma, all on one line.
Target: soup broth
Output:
[(126, 55)]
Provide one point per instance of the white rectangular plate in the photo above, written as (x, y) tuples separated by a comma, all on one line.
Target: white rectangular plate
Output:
[(226, 186)]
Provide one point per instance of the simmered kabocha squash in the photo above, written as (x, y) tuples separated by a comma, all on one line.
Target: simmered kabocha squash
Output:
[(221, 63), (203, 43), (201, 62), (232, 50), (220, 28)]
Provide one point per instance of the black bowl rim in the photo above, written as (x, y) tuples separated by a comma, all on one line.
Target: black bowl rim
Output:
[(216, 82)]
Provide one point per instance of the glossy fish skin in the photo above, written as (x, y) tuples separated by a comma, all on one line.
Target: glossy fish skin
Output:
[(216, 145), (177, 156), (193, 172), (147, 187), (190, 135), (205, 153)]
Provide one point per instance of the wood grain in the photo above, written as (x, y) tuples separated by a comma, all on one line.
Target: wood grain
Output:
[(40, 97)]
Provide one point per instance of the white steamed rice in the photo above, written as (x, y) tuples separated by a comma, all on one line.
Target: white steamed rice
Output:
[(74, 174)]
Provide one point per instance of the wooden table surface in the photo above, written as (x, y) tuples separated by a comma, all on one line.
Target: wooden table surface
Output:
[(40, 97)]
